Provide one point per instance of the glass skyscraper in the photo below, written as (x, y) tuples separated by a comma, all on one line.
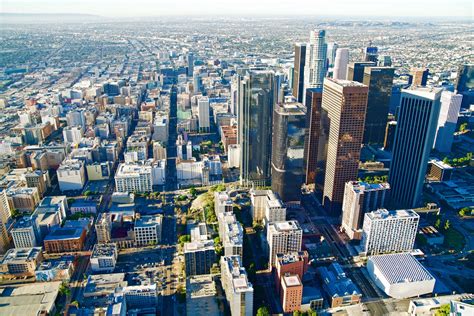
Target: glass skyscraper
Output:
[(414, 136), (289, 122), (298, 71), (316, 60), (256, 100), (380, 82)]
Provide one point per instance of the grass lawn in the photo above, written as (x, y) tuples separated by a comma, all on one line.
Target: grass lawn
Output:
[(454, 239)]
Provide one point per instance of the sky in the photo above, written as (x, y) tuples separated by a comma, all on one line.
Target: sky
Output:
[(137, 8)]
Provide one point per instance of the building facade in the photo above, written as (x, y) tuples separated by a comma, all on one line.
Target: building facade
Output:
[(414, 136)]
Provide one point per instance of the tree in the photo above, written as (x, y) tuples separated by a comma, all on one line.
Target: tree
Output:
[(463, 127), (263, 311), (444, 310), (446, 160), (87, 193), (447, 225), (184, 238), (16, 213), (438, 223), (465, 211), (193, 191), (64, 289)]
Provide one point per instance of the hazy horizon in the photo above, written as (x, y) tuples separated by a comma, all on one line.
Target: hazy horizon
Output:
[(147, 8)]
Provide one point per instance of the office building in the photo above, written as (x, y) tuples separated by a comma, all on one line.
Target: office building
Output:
[(465, 84), (71, 175), (380, 82), (340, 63), (256, 100), (418, 77), (355, 71), (447, 121), (23, 233), (282, 238), (331, 53), (316, 136), (222, 202), (289, 129), (20, 262), (294, 263), (238, 290), (199, 256), (72, 134), (400, 275), (291, 293), (184, 149), (190, 62), (65, 239), (203, 114), (389, 231), (371, 53), (134, 177), (298, 72), (315, 62), (384, 61), (414, 136), (141, 296), (104, 257), (201, 296), (345, 103), (275, 210), (148, 229), (360, 198)]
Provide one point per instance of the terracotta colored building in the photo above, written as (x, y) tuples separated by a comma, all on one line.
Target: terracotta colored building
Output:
[(292, 263), (291, 293), (65, 239)]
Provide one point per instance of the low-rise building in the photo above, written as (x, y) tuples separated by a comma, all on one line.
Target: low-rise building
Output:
[(99, 171), (20, 262), (71, 175), (148, 230), (103, 285), (400, 275), (65, 239), (294, 263), (60, 269), (104, 257), (341, 290), (136, 177), (201, 296), (141, 296), (428, 306)]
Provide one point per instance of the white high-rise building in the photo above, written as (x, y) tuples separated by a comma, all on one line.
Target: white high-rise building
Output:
[(283, 237), (315, 67), (448, 118), (71, 175), (184, 149), (238, 290), (340, 64), (389, 231), (203, 114), (23, 234), (147, 230), (72, 134), (360, 198), (275, 210), (134, 178)]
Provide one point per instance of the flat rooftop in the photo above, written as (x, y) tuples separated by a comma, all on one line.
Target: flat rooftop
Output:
[(64, 233), (400, 268), (292, 280), (385, 214), (198, 286)]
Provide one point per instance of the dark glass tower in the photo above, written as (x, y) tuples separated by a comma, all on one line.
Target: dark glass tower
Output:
[(414, 136), (465, 84), (380, 81), (256, 100), (298, 72), (289, 125), (355, 71), (316, 137)]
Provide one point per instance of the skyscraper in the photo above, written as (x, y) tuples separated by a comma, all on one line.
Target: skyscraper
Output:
[(190, 61), (371, 53), (315, 66), (414, 136), (384, 61), (316, 135), (389, 135), (340, 63), (380, 81), (298, 72), (448, 118), (256, 100), (355, 71), (360, 198), (346, 103), (331, 53), (465, 84), (419, 76), (203, 114), (289, 129)]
